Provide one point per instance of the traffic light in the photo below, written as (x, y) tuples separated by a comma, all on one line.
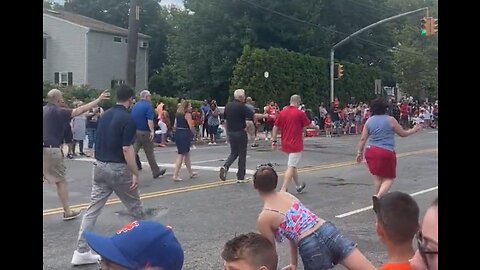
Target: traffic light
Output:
[(340, 71), (425, 25), (338, 74), (434, 26)]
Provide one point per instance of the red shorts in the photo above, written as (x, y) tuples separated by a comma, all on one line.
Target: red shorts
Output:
[(381, 162)]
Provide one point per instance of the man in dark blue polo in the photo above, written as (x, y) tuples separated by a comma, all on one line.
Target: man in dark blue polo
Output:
[(114, 170), (56, 120), (142, 114)]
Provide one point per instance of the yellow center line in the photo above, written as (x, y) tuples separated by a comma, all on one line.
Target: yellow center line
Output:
[(156, 194)]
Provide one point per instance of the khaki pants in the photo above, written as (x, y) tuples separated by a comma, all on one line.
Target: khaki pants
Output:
[(143, 141), (53, 167)]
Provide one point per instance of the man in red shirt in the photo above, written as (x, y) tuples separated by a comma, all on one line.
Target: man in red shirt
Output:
[(292, 122)]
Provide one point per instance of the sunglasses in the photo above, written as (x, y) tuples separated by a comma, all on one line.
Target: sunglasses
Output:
[(423, 250)]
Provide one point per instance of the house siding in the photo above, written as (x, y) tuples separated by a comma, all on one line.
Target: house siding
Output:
[(65, 49), (107, 61)]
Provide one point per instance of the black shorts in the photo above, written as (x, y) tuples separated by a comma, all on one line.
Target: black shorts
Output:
[(269, 126), (68, 136)]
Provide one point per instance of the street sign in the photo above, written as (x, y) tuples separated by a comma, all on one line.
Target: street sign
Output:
[(378, 87)]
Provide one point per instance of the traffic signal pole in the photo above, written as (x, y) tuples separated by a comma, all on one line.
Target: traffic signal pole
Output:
[(332, 51)]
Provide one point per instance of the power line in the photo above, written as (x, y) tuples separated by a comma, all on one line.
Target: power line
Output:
[(325, 28)]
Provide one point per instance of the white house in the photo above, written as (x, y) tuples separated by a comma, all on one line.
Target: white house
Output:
[(79, 50)]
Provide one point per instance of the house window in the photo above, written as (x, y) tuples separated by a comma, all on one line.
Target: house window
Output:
[(126, 40), (64, 78), (117, 39), (114, 83), (44, 48)]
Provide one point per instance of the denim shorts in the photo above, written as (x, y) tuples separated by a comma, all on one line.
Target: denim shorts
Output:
[(324, 248)]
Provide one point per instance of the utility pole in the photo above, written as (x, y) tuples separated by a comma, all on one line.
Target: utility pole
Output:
[(132, 46), (332, 51)]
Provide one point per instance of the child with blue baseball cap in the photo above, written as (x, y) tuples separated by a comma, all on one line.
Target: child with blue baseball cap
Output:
[(138, 245)]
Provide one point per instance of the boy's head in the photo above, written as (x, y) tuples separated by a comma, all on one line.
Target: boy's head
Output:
[(250, 251), (397, 218)]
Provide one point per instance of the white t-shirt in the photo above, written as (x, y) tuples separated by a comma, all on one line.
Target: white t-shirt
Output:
[(427, 115)]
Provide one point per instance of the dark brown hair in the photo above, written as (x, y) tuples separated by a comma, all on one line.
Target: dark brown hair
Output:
[(265, 179), (398, 214), (378, 106), (252, 247)]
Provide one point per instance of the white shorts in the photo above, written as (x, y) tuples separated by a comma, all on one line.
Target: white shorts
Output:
[(294, 159), (163, 127)]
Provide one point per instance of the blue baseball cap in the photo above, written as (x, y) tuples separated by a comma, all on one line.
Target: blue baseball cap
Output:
[(139, 244)]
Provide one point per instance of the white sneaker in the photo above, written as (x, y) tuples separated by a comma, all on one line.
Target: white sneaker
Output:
[(214, 143), (210, 143), (84, 258)]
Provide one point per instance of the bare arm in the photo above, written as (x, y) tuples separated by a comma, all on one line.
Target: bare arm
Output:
[(274, 133), (361, 144), (264, 228), (129, 154), (258, 116), (293, 253), (150, 126), (84, 108), (400, 131), (188, 117)]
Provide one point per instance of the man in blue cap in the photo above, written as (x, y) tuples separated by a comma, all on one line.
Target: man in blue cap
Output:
[(140, 245)]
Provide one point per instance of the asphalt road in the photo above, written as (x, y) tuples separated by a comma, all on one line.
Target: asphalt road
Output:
[(205, 212)]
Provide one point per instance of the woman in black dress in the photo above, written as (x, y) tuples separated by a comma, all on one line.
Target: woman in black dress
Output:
[(183, 137)]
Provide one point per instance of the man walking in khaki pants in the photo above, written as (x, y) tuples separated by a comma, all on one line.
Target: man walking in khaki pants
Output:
[(142, 114), (55, 120)]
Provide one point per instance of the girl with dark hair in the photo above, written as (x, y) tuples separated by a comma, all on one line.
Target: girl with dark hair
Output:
[(320, 244), (380, 154)]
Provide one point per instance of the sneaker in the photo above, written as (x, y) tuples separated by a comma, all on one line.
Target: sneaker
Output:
[(160, 173), (73, 214), (84, 258), (301, 188), (223, 173), (241, 181), (210, 143)]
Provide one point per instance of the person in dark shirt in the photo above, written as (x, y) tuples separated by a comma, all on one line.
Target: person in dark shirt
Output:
[(114, 170), (92, 117), (55, 122), (236, 114)]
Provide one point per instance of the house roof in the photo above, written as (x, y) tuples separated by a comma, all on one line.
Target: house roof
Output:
[(92, 24)]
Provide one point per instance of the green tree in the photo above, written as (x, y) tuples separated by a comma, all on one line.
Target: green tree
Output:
[(294, 73)]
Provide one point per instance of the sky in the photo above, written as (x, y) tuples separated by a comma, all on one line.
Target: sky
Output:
[(163, 2)]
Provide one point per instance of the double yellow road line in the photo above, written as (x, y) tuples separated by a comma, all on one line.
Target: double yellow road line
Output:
[(172, 191)]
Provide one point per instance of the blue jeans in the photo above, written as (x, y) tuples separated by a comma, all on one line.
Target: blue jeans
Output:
[(91, 133), (324, 248)]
